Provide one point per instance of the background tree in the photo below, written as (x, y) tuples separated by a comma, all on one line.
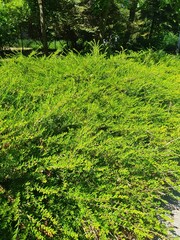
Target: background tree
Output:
[(13, 14), (158, 18), (134, 24)]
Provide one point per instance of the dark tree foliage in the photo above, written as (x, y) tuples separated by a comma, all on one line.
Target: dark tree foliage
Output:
[(130, 24)]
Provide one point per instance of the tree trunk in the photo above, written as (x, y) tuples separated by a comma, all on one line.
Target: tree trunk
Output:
[(132, 14), (43, 27), (21, 37), (155, 8), (178, 45), (152, 27), (103, 23)]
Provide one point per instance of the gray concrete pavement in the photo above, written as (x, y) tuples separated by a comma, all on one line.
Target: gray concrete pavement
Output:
[(176, 224)]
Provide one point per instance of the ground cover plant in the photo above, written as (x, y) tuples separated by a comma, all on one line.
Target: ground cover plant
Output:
[(88, 145)]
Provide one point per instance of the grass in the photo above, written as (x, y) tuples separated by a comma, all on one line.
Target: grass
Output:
[(36, 44), (89, 145)]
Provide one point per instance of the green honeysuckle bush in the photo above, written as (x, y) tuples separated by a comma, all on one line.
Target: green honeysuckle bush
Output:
[(88, 146)]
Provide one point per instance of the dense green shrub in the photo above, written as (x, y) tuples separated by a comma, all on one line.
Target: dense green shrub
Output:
[(88, 146)]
